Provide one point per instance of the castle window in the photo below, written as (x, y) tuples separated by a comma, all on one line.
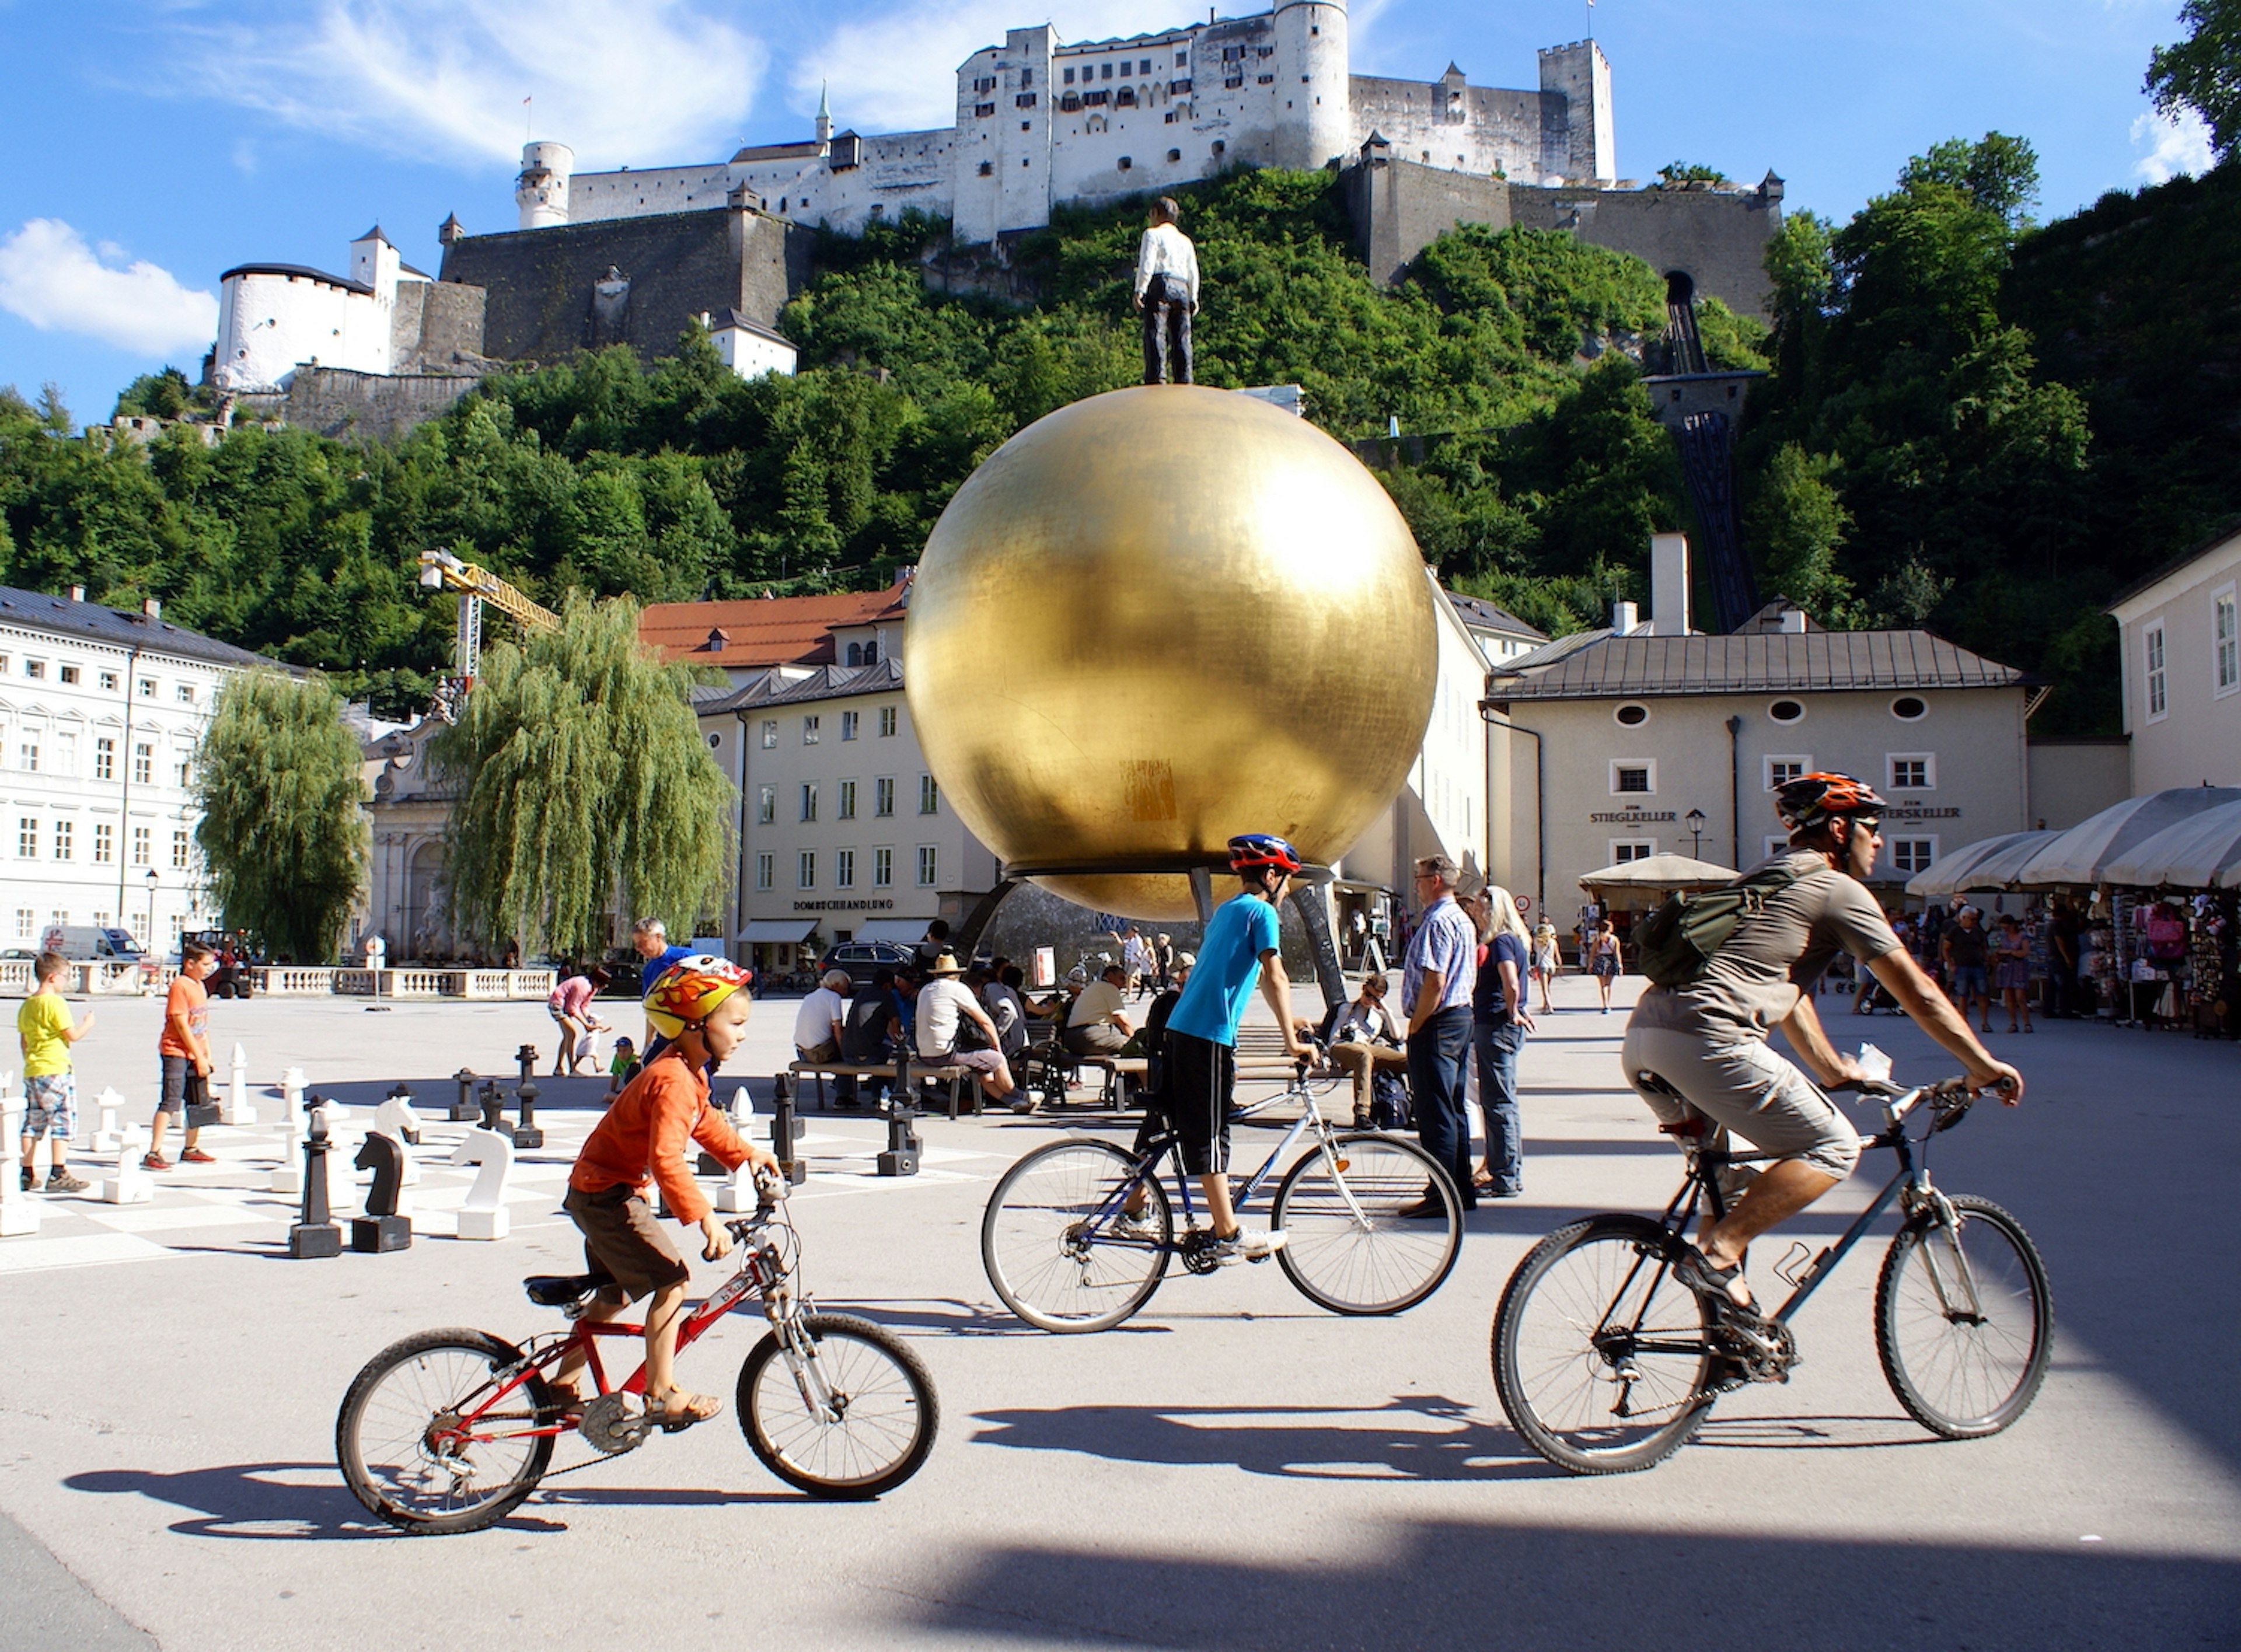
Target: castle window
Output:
[(987, 168), (1125, 98), (1220, 145), (1126, 162), (1268, 51), (1026, 78), (1264, 80), (1173, 154), (1144, 67), (985, 83), (1071, 102), (1025, 100), (1097, 98), (1069, 77), (1232, 83), (983, 111), (1107, 74), (1177, 87), (1182, 60)]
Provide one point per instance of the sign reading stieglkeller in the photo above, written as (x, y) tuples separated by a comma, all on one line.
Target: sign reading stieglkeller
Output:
[(1631, 817)]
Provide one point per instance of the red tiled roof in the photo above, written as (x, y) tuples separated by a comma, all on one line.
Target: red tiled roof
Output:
[(763, 631)]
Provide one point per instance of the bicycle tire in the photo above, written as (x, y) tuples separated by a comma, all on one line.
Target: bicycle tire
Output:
[(1030, 1244), (1960, 1380), (1559, 1383), (888, 1413), (401, 1394), (1375, 1261)]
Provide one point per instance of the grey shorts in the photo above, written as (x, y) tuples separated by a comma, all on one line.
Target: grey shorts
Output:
[(1746, 1088), (182, 1083)]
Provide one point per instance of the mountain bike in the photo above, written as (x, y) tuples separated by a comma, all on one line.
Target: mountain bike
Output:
[(450, 1430), (1060, 1254), (1606, 1364)]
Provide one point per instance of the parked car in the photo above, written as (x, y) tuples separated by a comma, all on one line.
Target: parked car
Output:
[(860, 958)]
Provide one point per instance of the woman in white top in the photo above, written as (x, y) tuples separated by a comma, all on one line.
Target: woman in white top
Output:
[(1545, 961)]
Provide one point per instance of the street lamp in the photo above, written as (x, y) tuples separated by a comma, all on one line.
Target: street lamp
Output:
[(153, 881), (1696, 819)]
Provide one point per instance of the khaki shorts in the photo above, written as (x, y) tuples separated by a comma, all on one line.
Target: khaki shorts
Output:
[(1744, 1087), (623, 1238)]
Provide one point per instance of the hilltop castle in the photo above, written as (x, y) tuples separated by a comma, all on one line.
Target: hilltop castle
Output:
[(1041, 123)]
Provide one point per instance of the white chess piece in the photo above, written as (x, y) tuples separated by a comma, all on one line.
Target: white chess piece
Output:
[(482, 1215), (239, 1109), (738, 1191), (291, 1100), (107, 1138), (19, 1212), (393, 1119), (131, 1184)]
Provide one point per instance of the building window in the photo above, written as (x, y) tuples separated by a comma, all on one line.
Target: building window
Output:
[(147, 688), (883, 795), (70, 674), (36, 670), (104, 758), (1105, 71), (30, 757), (1781, 770), (883, 868), (142, 846), (886, 721), (929, 796), (1913, 771), (65, 846), (1625, 849), (105, 844), (1909, 708), (770, 732), (808, 802), (848, 809), (987, 169), (766, 806), (1069, 79), (2158, 695), (1631, 716), (144, 765), (805, 869), (27, 838), (809, 730), (765, 870), (179, 852), (25, 920), (108, 682), (844, 869), (186, 770), (1910, 855), (2225, 641), (186, 693), (1786, 711), (1633, 776), (849, 722), (928, 859)]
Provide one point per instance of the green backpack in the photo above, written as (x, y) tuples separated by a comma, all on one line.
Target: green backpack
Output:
[(1674, 943)]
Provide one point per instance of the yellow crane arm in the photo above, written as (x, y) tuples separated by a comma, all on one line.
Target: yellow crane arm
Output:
[(441, 570)]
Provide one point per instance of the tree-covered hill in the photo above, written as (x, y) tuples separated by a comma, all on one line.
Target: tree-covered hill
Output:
[(1971, 423)]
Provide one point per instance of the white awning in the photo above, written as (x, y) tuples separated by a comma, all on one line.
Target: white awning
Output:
[(906, 930), (766, 930)]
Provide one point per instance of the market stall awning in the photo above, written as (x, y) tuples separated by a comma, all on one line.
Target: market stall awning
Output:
[(2083, 854), (791, 931), (908, 931), (1986, 864), (2196, 853), (1660, 872)]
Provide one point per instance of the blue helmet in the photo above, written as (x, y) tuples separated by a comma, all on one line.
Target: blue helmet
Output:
[(1254, 849)]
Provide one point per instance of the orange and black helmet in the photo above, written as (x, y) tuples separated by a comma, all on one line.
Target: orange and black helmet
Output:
[(1808, 800), (1250, 850)]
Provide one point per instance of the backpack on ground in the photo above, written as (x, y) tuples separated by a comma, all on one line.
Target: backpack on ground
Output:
[(1389, 1107), (1676, 941)]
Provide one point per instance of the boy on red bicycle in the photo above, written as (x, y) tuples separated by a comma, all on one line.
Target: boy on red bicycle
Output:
[(696, 1003)]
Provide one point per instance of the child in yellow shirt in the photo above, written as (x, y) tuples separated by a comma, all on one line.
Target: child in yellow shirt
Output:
[(46, 1030)]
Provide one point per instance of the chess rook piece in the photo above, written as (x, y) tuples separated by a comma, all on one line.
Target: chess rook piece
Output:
[(482, 1215), (526, 1132), (381, 1228), (19, 1212), (464, 1110), (901, 1157), (239, 1110), (315, 1235)]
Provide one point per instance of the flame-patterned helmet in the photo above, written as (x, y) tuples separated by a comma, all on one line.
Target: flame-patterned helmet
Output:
[(1254, 849), (1808, 800), (685, 994)]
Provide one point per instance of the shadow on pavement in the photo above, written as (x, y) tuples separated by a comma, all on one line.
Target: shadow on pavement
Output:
[(262, 1501)]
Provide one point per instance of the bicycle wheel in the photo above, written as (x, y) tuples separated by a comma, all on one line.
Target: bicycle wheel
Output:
[(1602, 1360), (1965, 1320), (884, 1414), (1043, 1257), (407, 1456), (1347, 1246)]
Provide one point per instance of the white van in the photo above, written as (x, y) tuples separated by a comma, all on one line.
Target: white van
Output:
[(85, 944)]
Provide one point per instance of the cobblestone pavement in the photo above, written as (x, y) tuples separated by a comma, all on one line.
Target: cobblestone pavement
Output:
[(1234, 1469)]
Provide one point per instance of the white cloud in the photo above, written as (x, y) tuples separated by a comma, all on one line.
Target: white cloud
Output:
[(2173, 146), (654, 81), (51, 278)]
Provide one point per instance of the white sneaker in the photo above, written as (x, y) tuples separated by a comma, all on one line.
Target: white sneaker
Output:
[(1140, 1226), (1246, 1245)]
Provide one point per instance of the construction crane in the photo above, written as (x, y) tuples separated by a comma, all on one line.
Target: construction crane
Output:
[(441, 570)]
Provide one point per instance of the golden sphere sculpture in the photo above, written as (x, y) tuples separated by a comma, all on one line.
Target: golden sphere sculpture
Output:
[(1159, 617)]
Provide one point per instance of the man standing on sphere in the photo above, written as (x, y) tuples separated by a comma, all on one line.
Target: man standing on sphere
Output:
[(1700, 1047), (1167, 292)]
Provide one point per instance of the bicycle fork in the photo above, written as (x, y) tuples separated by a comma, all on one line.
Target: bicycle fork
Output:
[(1958, 1302), (808, 1371)]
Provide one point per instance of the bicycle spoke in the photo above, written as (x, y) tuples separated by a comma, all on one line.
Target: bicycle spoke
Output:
[(1048, 1243), (1348, 1244), (1963, 1320)]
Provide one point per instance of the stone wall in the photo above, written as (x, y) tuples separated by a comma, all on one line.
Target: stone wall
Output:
[(335, 402), (437, 324)]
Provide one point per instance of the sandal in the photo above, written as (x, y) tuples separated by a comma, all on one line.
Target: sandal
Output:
[(1694, 1270), (675, 1419)]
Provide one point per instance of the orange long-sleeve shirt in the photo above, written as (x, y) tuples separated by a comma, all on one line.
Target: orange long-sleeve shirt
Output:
[(642, 1138)]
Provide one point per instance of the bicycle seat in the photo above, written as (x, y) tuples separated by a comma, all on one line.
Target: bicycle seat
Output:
[(558, 1290)]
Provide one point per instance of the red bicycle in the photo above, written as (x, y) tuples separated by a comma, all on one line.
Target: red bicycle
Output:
[(450, 1430)]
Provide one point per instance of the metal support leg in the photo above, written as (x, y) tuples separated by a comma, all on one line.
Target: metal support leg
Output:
[(1311, 901)]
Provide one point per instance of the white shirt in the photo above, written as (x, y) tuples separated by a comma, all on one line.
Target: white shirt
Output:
[(1100, 1001), (813, 1022), (942, 1005), (1166, 251)]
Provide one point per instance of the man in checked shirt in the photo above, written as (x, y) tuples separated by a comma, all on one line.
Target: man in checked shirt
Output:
[(1435, 988)]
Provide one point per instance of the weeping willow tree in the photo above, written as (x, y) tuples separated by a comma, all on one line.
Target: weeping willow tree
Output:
[(579, 779), (283, 828)]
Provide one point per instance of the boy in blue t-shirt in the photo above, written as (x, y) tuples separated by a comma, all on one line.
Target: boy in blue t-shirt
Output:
[(1200, 1059)]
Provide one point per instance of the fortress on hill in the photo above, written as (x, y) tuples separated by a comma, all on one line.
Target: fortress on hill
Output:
[(631, 257)]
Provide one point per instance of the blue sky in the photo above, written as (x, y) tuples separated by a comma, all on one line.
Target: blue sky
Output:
[(152, 144)]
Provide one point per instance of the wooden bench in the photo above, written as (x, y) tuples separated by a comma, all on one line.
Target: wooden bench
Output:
[(1119, 1071), (959, 1078), (1260, 1055)]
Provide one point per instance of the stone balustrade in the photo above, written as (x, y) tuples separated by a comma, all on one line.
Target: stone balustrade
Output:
[(112, 980)]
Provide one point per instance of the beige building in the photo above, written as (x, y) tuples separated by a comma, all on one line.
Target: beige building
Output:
[(2180, 630)]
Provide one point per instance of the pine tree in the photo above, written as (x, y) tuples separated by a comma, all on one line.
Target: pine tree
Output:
[(283, 831), (581, 781)]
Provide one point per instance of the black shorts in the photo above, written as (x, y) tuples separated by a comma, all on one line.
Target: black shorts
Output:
[(1200, 1077)]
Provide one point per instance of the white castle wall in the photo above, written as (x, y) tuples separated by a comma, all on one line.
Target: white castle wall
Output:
[(271, 321)]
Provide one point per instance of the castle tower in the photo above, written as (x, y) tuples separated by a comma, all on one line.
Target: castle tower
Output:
[(823, 120), (1315, 111), (541, 191), (375, 263), (1581, 74)]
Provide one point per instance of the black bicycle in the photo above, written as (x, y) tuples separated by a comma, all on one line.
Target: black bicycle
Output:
[(1606, 1363)]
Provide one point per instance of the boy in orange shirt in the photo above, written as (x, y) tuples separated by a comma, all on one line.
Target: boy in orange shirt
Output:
[(696, 1003), (185, 1050)]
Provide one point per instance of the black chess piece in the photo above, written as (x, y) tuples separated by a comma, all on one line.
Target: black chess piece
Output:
[(464, 1110), (315, 1235), (784, 1133), (901, 1157), (494, 1107), (381, 1228), (526, 1132)]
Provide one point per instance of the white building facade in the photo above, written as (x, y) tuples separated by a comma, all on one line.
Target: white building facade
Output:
[(273, 318), (102, 713), (2180, 635)]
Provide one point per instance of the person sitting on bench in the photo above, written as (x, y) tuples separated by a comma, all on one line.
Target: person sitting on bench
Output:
[(1098, 1025)]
